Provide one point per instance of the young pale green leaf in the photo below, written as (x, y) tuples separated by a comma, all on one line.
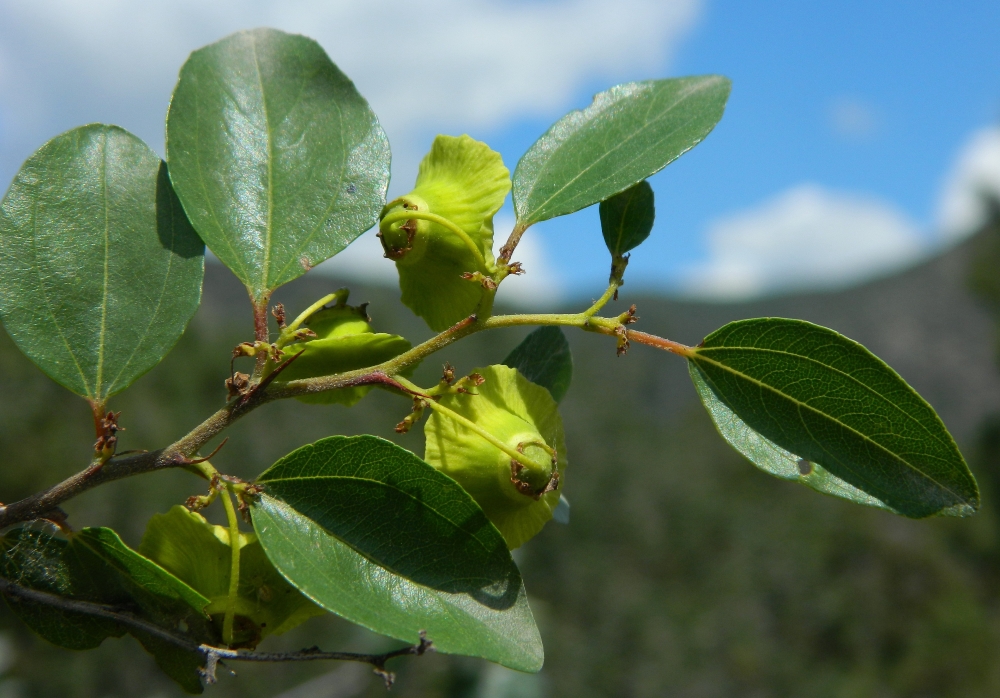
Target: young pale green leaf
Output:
[(829, 401), (770, 457), (629, 133), (627, 218), (279, 162), (198, 553), (372, 533), (543, 357), (100, 270)]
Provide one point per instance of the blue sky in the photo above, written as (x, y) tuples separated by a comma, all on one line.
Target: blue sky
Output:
[(849, 127), (872, 99)]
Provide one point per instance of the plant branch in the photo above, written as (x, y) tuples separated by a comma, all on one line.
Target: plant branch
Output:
[(212, 655), (603, 300), (181, 452), (508, 247)]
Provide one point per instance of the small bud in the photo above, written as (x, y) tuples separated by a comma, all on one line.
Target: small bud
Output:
[(465, 182), (518, 496), (279, 314), (236, 385)]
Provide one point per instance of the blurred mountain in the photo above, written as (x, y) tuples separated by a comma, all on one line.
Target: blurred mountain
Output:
[(684, 571)]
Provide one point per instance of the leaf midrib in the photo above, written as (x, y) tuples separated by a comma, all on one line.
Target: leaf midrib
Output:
[(104, 291), (803, 405), (867, 388), (266, 267)]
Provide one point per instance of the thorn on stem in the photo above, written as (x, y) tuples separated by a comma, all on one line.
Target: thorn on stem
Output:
[(195, 461)]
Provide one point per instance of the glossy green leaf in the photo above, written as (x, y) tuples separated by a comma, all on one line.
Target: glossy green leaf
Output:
[(828, 400), (770, 457), (543, 357), (629, 133), (100, 270), (372, 533), (627, 218), (279, 162)]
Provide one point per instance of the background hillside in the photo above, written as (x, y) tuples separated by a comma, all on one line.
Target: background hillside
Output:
[(683, 572)]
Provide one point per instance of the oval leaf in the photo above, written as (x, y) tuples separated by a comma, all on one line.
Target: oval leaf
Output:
[(100, 270), (770, 457), (627, 218), (543, 357), (828, 400), (372, 533), (629, 133), (279, 162)]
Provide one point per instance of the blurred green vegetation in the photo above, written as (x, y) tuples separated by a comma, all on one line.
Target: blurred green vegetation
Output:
[(683, 572)]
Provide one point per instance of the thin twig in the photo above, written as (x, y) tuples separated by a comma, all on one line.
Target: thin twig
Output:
[(180, 452), (212, 655)]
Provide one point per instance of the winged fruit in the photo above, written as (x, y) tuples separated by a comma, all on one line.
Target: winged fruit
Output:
[(518, 495), (198, 553), (443, 230), (344, 342)]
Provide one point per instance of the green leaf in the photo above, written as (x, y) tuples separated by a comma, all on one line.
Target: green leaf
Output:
[(770, 457), (826, 399), (279, 162), (543, 357), (372, 533), (100, 270), (629, 133), (36, 560), (96, 566), (158, 591), (627, 218)]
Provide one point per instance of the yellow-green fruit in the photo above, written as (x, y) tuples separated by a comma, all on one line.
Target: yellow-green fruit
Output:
[(339, 321), (523, 416), (465, 183), (198, 553), (344, 342)]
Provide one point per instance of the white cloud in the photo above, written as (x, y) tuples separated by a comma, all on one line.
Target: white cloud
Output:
[(539, 288), (807, 237), (451, 65), (976, 172)]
